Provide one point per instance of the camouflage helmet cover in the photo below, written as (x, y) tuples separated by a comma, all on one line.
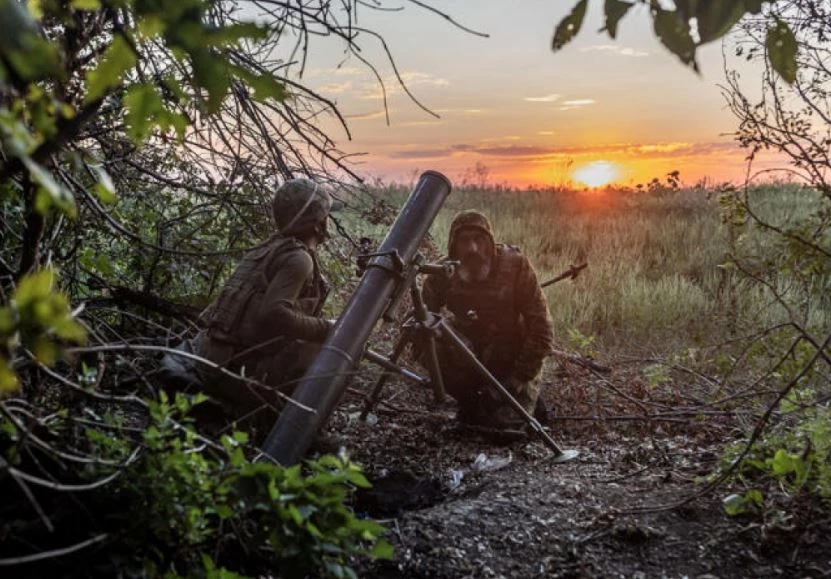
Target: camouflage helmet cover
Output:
[(300, 203)]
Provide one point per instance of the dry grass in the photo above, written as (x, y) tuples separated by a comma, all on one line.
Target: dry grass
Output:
[(654, 282)]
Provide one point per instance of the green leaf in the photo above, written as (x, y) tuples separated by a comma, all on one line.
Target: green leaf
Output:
[(265, 86), (35, 8), (615, 10), (783, 463), (233, 33), (105, 187), (211, 73), (674, 33), (754, 497), (151, 26), (50, 192), (7, 323), (569, 26), (9, 384), (44, 350), (715, 19), (734, 504), (70, 330), (30, 55), (88, 5), (143, 104), (781, 49), (145, 110), (117, 60)]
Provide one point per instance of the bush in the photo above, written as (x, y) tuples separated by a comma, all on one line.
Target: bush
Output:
[(183, 505)]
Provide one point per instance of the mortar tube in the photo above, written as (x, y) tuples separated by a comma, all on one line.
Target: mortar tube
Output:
[(324, 383)]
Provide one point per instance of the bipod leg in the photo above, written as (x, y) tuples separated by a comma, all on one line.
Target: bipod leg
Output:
[(560, 455), (370, 403), (434, 368)]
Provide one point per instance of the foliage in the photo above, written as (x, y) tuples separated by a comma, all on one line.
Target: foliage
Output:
[(183, 507), (38, 319), (140, 142), (795, 455), (690, 24)]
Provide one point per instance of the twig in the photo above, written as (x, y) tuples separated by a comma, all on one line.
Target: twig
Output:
[(26, 491), (53, 553), (580, 360), (72, 488), (757, 432), (196, 358)]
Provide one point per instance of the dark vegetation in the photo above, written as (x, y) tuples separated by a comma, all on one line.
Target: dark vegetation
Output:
[(140, 141)]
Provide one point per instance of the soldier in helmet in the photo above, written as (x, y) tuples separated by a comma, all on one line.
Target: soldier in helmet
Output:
[(496, 303), (266, 321)]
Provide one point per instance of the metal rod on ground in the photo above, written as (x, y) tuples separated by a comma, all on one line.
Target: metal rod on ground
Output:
[(391, 366), (324, 383), (449, 334)]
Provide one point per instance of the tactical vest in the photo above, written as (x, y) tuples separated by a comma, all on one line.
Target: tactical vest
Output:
[(486, 312), (233, 317)]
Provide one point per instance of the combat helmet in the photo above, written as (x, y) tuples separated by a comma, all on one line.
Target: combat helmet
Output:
[(300, 206)]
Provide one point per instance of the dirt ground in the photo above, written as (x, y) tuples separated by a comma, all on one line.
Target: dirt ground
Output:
[(460, 504)]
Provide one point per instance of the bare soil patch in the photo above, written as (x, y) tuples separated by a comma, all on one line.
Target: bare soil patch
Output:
[(526, 516)]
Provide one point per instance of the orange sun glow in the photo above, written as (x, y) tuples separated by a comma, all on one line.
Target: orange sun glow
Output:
[(596, 173)]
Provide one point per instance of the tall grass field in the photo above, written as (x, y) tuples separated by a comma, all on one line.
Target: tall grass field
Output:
[(658, 277)]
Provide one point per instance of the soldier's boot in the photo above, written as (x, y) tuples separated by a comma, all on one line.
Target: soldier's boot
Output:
[(542, 412)]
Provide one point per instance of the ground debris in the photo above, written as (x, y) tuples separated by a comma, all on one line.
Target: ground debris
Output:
[(531, 517)]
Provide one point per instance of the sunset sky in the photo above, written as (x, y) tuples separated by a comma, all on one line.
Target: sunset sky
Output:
[(599, 110)]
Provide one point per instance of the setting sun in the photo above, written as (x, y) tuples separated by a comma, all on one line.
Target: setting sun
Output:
[(597, 173)]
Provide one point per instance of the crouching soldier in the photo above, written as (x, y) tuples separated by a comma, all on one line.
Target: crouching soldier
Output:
[(496, 304), (266, 322)]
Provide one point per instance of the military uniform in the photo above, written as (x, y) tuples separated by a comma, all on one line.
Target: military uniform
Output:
[(266, 321), (506, 322)]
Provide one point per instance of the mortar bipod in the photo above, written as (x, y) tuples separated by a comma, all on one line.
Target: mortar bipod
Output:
[(430, 327), (415, 327)]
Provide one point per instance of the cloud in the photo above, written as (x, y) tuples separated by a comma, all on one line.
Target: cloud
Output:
[(663, 147), (545, 133), (372, 90), (421, 78), (615, 49), (620, 151), (418, 124), (419, 154), (514, 151), (350, 71), (365, 116), (576, 104), (340, 71), (543, 99), (335, 87)]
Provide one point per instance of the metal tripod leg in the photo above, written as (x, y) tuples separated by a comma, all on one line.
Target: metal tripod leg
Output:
[(435, 381), (434, 369), (370, 403), (559, 454)]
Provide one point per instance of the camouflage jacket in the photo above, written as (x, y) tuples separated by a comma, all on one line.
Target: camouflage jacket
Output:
[(277, 290), (505, 317)]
